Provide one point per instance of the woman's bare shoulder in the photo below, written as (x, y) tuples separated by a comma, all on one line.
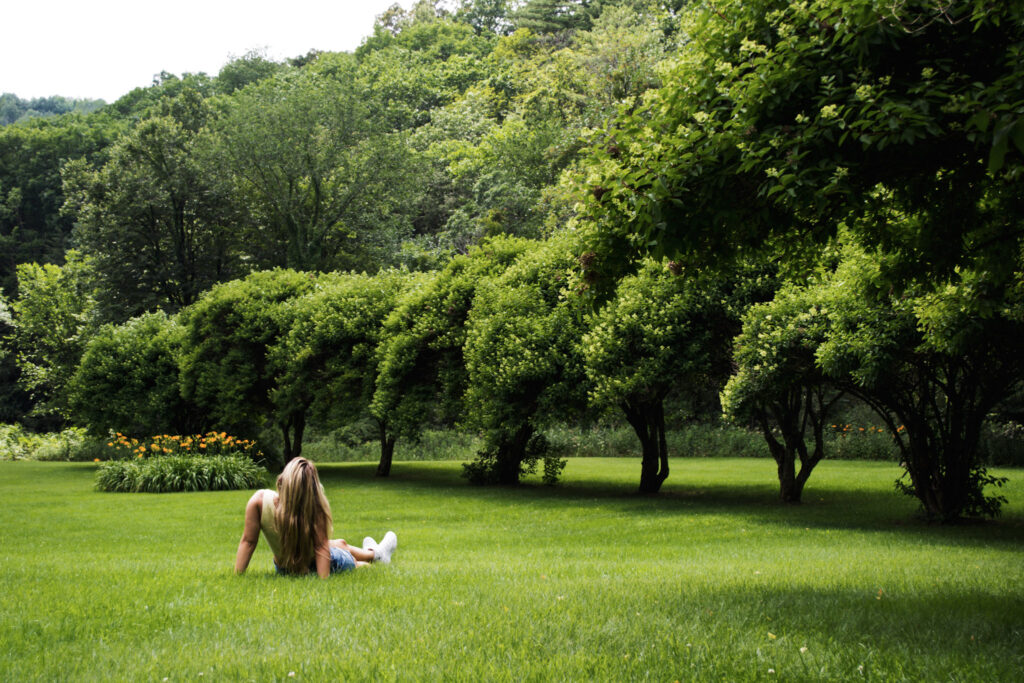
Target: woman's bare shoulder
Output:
[(258, 497)]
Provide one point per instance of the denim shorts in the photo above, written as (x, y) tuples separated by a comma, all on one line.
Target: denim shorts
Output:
[(341, 561)]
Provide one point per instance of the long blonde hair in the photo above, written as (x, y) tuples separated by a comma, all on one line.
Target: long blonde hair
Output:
[(303, 515)]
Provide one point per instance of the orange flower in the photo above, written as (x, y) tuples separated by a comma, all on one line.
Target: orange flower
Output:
[(95, 459)]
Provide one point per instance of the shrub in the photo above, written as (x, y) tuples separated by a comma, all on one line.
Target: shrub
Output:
[(852, 442), (17, 444), (179, 473), (127, 379), (1002, 444)]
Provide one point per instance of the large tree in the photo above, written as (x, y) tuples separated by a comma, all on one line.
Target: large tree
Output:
[(225, 365), (52, 319), (422, 374), (154, 218), (328, 359), (783, 122), (661, 335), (779, 386), (523, 361), (933, 358), (325, 183)]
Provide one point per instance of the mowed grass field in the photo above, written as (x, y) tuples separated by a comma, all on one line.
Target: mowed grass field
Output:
[(712, 579)]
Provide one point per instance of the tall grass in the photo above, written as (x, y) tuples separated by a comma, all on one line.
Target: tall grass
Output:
[(710, 580)]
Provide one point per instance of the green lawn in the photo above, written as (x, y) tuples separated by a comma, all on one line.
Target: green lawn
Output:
[(711, 580)]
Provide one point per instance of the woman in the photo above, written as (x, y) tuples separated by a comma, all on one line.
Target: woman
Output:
[(296, 521)]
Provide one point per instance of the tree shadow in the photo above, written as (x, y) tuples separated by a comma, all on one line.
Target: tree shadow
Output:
[(825, 506)]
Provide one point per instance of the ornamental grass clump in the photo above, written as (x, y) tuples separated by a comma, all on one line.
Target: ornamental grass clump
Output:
[(214, 461), (179, 473)]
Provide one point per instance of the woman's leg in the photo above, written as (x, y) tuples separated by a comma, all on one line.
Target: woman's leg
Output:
[(360, 555)]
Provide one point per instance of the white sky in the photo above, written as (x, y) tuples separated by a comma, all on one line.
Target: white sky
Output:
[(102, 49)]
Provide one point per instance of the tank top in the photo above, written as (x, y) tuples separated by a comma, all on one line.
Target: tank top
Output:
[(268, 523)]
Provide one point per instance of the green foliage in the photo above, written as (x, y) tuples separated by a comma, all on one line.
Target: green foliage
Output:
[(325, 182), (225, 366), (180, 473), (153, 218), (782, 119), (32, 229), (778, 385), (251, 67), (933, 359), (18, 444), (13, 109), (422, 377), (127, 380), (328, 359), (53, 319), (661, 333), (665, 332), (522, 357)]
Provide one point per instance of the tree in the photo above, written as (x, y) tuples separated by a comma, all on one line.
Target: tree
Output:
[(153, 218), (32, 228), (127, 380), (421, 376), (524, 365), (661, 334), (328, 358), (251, 67), (779, 386), (326, 187), (932, 358), (225, 363), (783, 123), (619, 55), (53, 319), (552, 17), (784, 120), (486, 16)]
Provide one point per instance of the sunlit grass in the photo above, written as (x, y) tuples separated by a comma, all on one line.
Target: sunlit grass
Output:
[(711, 580)]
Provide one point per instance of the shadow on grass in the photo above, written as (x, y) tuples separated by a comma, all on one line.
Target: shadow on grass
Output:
[(826, 506)]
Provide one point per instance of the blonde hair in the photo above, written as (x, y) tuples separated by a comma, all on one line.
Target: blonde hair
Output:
[(303, 515)]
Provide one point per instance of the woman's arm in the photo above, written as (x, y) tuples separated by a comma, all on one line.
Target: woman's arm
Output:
[(251, 533), (323, 559)]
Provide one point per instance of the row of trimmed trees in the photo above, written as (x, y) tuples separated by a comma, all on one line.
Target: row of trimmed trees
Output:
[(497, 342), (508, 340)]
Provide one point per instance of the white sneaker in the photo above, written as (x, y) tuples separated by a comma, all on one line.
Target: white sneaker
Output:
[(382, 553), (369, 544)]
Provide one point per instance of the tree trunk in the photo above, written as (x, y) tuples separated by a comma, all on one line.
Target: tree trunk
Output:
[(387, 451), (648, 421), (790, 488), (292, 430), (511, 454)]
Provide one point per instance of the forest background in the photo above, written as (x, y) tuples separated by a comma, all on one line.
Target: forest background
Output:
[(512, 217)]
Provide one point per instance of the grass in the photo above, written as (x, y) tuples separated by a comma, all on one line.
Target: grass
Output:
[(710, 580)]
